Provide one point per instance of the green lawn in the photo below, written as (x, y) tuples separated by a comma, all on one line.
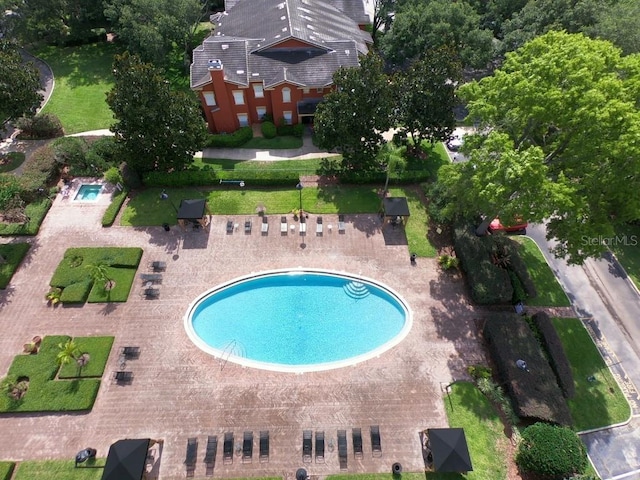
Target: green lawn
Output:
[(6, 469), (13, 253), (60, 470), (10, 161), (550, 293), (98, 349), (82, 79), (417, 227), (45, 392), (627, 250), (274, 143), (597, 403)]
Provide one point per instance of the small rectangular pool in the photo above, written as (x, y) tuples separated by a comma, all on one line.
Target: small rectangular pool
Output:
[(88, 193)]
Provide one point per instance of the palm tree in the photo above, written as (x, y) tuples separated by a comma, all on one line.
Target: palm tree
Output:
[(68, 352), (391, 156), (99, 273)]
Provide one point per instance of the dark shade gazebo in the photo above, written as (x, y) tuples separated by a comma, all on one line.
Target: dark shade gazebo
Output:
[(396, 209), (126, 460), (449, 449), (193, 211)]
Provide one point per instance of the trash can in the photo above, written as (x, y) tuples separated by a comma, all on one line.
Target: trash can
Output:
[(396, 468), (166, 227), (413, 258)]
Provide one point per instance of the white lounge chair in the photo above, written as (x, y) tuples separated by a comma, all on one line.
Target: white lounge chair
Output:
[(341, 226), (283, 225), (303, 226), (319, 226), (264, 228)]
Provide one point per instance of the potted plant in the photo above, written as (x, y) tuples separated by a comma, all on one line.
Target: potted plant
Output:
[(53, 296)]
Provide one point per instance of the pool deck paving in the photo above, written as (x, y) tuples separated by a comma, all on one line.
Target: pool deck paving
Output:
[(179, 392)]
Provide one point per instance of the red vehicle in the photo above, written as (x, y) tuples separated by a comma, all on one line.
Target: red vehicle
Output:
[(519, 226)]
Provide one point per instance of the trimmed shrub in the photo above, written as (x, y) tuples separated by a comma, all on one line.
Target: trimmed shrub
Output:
[(6, 470), (40, 170), (35, 212), (230, 140), (113, 176), (76, 292), (534, 392), (40, 127), (552, 451), (555, 352), (208, 177), (13, 253), (519, 295), (268, 130), (517, 264), (296, 130), (114, 207), (104, 148), (489, 283)]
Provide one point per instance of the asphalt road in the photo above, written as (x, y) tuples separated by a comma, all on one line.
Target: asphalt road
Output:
[(605, 298)]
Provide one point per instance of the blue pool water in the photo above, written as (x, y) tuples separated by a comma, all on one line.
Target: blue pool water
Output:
[(88, 193), (298, 320)]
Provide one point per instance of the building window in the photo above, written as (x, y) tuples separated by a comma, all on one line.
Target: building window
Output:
[(261, 111), (305, 90), (286, 95), (243, 118), (258, 91), (238, 97), (288, 118), (319, 90), (209, 99)]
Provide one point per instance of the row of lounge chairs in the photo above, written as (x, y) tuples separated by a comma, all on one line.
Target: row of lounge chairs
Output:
[(356, 436), (227, 451), (284, 226)]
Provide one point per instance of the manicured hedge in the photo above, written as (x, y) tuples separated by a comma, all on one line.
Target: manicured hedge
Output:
[(75, 280), (551, 451), (13, 253), (535, 393), (6, 470), (35, 211), (46, 394), (290, 130), (555, 352), (489, 283), (268, 129), (112, 210), (516, 264), (230, 140), (98, 349), (208, 177)]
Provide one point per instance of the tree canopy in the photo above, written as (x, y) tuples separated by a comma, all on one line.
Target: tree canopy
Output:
[(419, 26), (19, 84), (576, 100), (157, 128), (354, 115)]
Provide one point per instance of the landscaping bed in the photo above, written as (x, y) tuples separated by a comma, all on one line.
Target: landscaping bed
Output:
[(45, 393), (35, 212), (76, 283), (9, 162), (13, 253)]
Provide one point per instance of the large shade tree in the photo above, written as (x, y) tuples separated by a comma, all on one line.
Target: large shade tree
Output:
[(419, 26), (354, 116), (19, 84), (576, 100), (157, 128)]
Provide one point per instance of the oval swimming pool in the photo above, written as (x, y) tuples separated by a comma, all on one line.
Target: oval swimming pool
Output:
[(298, 320)]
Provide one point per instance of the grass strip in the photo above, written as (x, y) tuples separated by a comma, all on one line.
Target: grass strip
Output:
[(598, 402)]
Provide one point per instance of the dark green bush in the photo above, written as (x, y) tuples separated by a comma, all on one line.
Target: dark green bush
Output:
[(13, 253), (489, 283), (105, 148), (112, 210), (77, 292), (534, 392), (290, 130), (207, 177), (6, 470), (230, 140), (551, 451), (40, 127), (40, 170), (519, 295), (551, 343), (35, 212), (268, 129), (517, 264)]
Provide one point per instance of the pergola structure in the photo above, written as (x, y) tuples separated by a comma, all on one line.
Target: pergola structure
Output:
[(449, 449), (194, 212), (395, 210), (126, 460)]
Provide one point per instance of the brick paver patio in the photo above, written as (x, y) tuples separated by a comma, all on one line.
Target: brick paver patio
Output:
[(180, 392)]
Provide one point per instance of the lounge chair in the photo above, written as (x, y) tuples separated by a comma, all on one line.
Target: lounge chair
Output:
[(123, 378), (307, 446), (247, 226), (210, 455), (283, 225), (264, 228), (356, 434), (341, 226), (376, 446), (229, 226), (227, 448), (150, 293), (319, 447), (319, 226), (192, 454), (151, 277), (247, 447), (303, 226), (342, 449), (158, 266), (264, 446), (131, 352)]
